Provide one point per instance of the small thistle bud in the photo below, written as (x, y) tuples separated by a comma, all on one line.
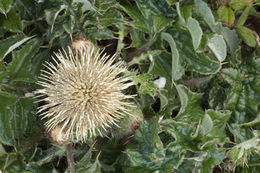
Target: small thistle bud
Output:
[(57, 135), (83, 93), (80, 44), (129, 124)]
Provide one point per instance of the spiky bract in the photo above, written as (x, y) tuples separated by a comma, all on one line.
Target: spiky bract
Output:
[(83, 93)]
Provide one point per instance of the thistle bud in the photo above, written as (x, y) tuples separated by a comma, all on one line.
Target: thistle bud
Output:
[(130, 123), (57, 135), (80, 44)]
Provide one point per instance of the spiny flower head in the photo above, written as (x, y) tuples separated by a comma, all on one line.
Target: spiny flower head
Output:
[(82, 93)]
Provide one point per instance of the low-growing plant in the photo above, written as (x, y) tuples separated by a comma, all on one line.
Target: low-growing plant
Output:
[(182, 94)]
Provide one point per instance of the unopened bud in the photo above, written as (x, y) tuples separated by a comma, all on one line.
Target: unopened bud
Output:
[(79, 44), (57, 135)]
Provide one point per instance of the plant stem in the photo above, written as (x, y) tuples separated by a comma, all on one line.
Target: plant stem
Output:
[(120, 45), (70, 157), (141, 50)]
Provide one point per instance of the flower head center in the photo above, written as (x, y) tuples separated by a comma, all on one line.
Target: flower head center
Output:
[(85, 94)]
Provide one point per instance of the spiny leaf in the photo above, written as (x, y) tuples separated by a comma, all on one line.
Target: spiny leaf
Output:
[(12, 21), (238, 4), (205, 12), (218, 46), (11, 43), (196, 32), (226, 15), (191, 60), (190, 111), (19, 68), (247, 35), (5, 6), (177, 69), (147, 151), (232, 40)]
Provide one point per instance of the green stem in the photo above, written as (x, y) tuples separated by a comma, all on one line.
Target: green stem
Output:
[(141, 50), (70, 157)]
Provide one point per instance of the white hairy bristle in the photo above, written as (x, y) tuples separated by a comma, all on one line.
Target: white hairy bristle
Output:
[(82, 93)]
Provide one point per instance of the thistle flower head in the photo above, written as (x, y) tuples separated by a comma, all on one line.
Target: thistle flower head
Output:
[(83, 93)]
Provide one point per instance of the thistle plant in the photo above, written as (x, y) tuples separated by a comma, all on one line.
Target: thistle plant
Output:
[(82, 93)]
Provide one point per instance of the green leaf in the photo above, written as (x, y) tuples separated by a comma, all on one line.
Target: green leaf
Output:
[(69, 25), (11, 21), (181, 132), (211, 159), (161, 65), (226, 15), (257, 2), (171, 2), (168, 101), (110, 17), (240, 152), (217, 102), (86, 5), (242, 19), (196, 32), (146, 151), (218, 46), (190, 111), (19, 68), (207, 123), (202, 8), (6, 99), (52, 14), (139, 21), (95, 168), (176, 69), (255, 122), (138, 39), (14, 118), (160, 22), (238, 5), (232, 40), (38, 61), (85, 165), (146, 85), (244, 98), (214, 124), (191, 60), (2, 150), (85, 160), (22, 116), (154, 8), (181, 18), (103, 6), (11, 43), (186, 12), (247, 36), (204, 153), (233, 77), (95, 33), (145, 101), (5, 6), (152, 16), (47, 156)]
